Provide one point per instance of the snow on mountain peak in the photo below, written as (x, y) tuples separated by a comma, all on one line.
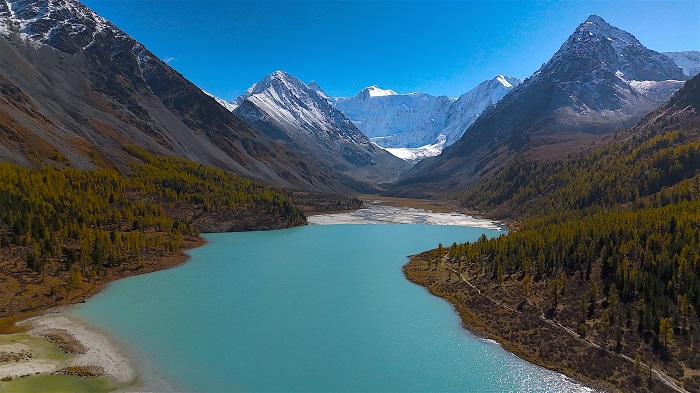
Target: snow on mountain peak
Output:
[(688, 61), (596, 28), (507, 81), (45, 21), (375, 91), (291, 104), (597, 51), (313, 85), (417, 125)]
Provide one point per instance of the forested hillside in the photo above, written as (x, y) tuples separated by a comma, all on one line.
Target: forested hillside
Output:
[(609, 245), (64, 231)]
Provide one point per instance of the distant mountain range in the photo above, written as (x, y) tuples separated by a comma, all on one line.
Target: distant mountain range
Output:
[(77, 91), (411, 126), (601, 80), (418, 125), (689, 61)]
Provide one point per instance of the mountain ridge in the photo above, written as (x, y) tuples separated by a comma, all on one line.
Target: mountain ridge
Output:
[(573, 100), (89, 90)]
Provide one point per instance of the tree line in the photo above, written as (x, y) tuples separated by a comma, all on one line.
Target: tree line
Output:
[(78, 224)]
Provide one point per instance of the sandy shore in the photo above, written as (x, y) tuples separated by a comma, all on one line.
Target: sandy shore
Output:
[(92, 350)]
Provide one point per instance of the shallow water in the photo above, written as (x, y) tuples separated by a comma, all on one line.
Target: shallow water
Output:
[(317, 308)]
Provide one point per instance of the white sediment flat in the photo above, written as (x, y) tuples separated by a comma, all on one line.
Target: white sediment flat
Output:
[(99, 351), (379, 214)]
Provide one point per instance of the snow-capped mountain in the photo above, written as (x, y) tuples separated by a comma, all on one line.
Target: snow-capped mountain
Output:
[(50, 22), (285, 108), (79, 91), (471, 104), (293, 105), (418, 125), (601, 80), (689, 61), (451, 124), (378, 112), (602, 77)]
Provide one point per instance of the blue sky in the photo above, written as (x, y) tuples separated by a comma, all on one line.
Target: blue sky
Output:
[(437, 47)]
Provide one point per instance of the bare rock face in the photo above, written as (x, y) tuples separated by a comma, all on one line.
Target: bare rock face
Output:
[(601, 80)]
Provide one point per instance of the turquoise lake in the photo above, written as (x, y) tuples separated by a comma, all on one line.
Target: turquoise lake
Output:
[(316, 308)]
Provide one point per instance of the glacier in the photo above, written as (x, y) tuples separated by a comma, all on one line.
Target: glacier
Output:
[(417, 125)]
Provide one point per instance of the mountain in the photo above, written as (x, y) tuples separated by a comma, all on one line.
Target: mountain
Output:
[(377, 112), (418, 125), (448, 127), (471, 104), (78, 91), (286, 109), (601, 80), (622, 216), (688, 61)]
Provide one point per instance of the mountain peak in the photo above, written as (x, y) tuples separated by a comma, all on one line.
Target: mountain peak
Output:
[(66, 25), (596, 29), (375, 91), (507, 81), (279, 74), (597, 48), (593, 18)]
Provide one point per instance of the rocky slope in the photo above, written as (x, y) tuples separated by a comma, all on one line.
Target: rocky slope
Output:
[(286, 109), (77, 90), (601, 80)]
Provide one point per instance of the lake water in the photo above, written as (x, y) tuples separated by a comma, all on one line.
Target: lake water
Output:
[(316, 308)]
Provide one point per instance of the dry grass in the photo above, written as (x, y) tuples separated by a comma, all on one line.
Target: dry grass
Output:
[(90, 370)]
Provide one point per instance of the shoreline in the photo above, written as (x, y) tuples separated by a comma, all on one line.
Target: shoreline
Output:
[(95, 354), (379, 212), (491, 315), (101, 357), (57, 345), (89, 289), (481, 329)]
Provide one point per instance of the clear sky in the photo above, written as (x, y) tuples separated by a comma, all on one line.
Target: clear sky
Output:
[(437, 47)]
